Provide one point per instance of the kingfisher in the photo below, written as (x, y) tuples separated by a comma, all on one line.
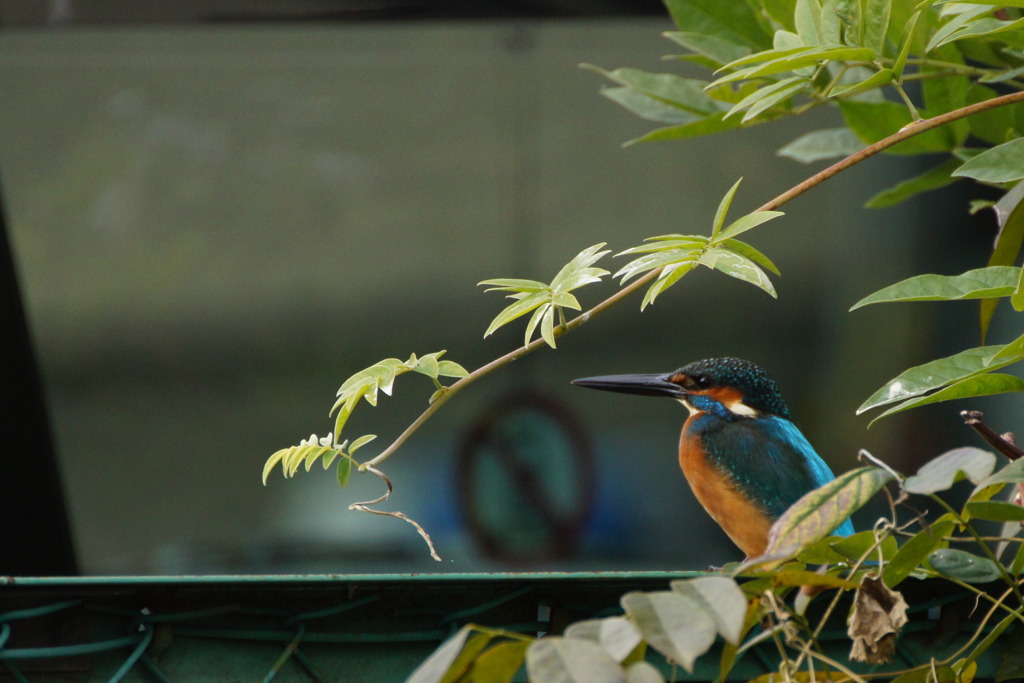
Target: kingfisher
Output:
[(743, 457)]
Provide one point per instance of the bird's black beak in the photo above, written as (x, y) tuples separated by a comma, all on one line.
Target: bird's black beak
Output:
[(643, 385)]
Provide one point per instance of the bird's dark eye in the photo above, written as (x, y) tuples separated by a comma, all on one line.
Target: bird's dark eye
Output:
[(702, 381)]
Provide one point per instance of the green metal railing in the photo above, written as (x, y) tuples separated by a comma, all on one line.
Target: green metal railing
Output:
[(262, 628), (373, 628)]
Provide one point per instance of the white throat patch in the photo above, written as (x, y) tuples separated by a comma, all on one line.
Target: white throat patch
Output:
[(741, 408), (736, 408)]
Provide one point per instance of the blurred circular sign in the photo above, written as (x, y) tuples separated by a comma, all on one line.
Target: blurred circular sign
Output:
[(526, 479)]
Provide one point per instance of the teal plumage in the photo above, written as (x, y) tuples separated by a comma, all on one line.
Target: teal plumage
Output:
[(744, 458)]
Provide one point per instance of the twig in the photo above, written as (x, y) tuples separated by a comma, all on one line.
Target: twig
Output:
[(1004, 443), (366, 506), (905, 133)]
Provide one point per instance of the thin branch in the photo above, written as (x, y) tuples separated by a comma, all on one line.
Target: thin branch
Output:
[(907, 132), (366, 506), (1004, 443)]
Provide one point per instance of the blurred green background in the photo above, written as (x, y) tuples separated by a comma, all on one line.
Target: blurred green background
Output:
[(215, 225)]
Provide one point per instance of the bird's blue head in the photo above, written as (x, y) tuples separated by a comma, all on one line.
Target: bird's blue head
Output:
[(736, 385)]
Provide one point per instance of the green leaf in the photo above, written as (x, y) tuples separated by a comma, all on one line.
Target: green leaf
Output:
[(945, 92), (805, 577), (737, 266), (820, 552), (516, 310), (1010, 216), (667, 242), (908, 42), (876, 24), (735, 22), (657, 260), (535, 320), (768, 96), (873, 121), (673, 624), (955, 24), (1017, 298), (793, 60), (875, 80), (995, 511), (741, 225), (1011, 474), (427, 365), (980, 283), (819, 512), (978, 27), (787, 45), (513, 285), (719, 50), (714, 123), (669, 276), (964, 566), (971, 387), (1000, 164), (721, 598), (647, 107), (994, 126), (807, 20), (531, 295), (360, 442), (822, 144), (448, 368), (857, 546), (938, 373), (547, 327), (272, 461), (994, 3), (744, 249), (952, 466), (578, 272), (686, 94), (928, 673), (915, 550), (850, 12), (617, 636), (1017, 566), (723, 209), (933, 179), (1002, 76), (571, 660), (344, 471)]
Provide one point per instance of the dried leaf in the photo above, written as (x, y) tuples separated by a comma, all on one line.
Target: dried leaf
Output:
[(877, 617)]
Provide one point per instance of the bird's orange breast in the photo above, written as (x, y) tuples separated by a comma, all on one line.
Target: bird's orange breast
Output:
[(743, 520)]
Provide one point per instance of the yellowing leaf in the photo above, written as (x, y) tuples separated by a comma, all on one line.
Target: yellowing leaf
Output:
[(570, 660), (616, 635), (673, 624), (820, 511), (942, 472), (722, 599)]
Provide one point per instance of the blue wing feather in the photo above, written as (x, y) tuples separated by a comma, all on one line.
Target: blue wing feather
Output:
[(769, 458)]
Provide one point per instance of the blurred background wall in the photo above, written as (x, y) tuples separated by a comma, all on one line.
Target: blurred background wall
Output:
[(214, 224)]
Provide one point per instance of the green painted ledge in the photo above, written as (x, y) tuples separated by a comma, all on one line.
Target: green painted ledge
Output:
[(353, 627)]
